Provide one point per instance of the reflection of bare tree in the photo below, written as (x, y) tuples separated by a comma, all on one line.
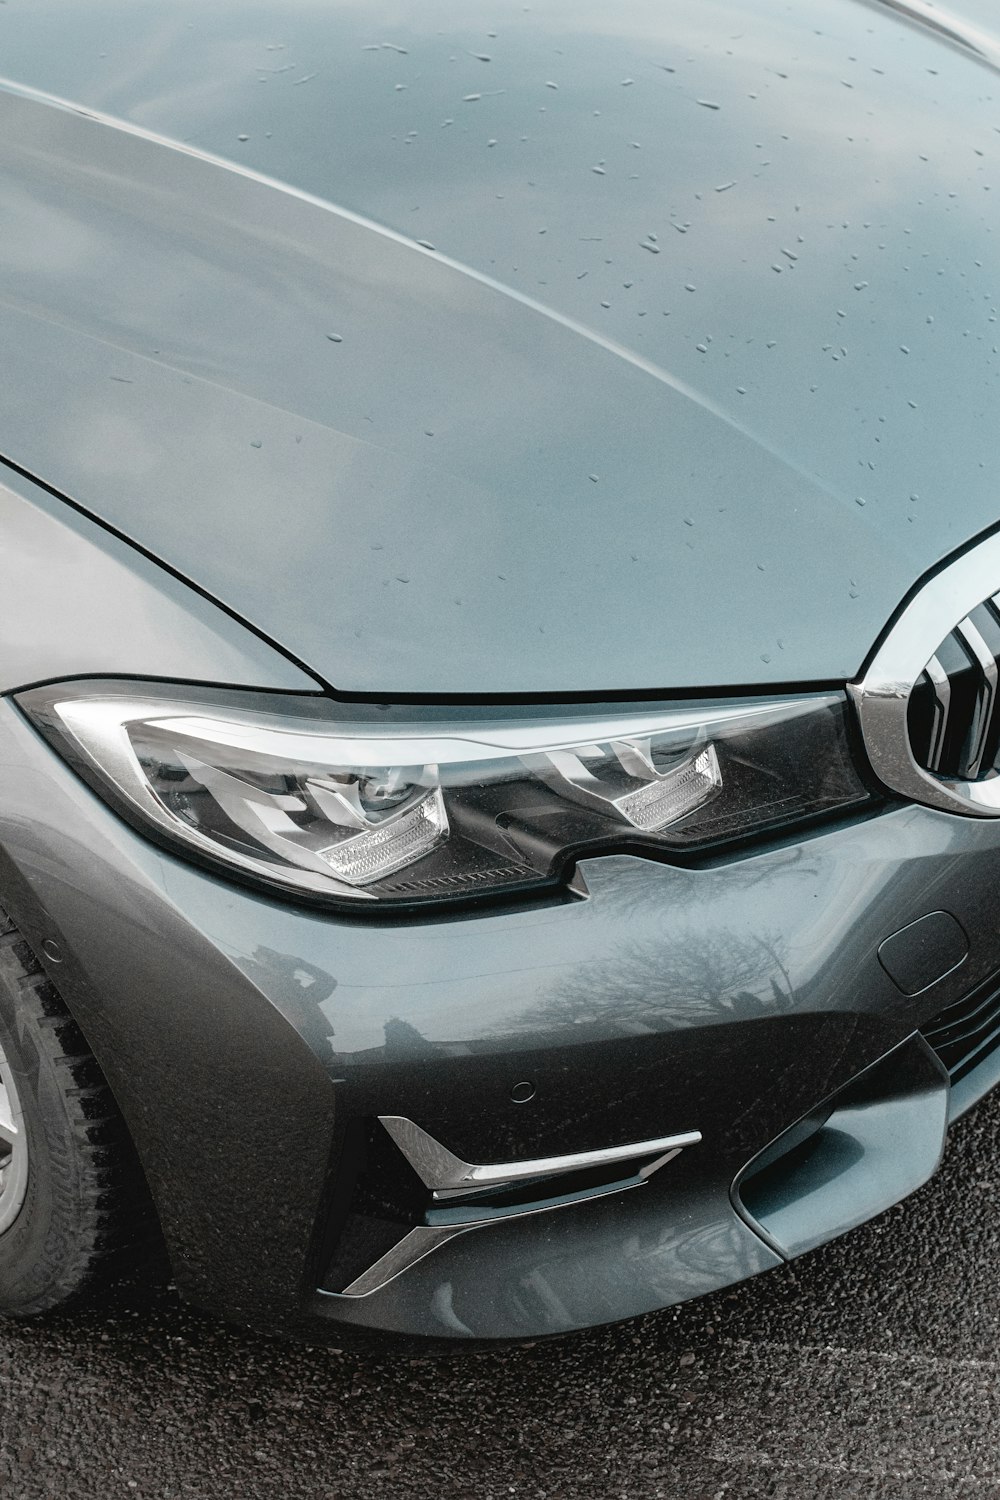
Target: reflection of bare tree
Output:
[(627, 885), (403, 1037), (695, 980)]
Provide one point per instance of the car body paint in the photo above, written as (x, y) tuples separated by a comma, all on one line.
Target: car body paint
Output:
[(662, 408), (78, 600)]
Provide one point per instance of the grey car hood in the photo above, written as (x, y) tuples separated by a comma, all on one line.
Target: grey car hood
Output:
[(580, 349)]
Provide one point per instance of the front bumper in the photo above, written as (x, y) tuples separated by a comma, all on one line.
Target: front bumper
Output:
[(253, 1045)]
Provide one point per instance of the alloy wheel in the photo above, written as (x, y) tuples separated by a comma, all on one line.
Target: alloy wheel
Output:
[(13, 1148)]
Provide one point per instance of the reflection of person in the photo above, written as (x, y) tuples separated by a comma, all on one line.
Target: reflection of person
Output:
[(284, 975)]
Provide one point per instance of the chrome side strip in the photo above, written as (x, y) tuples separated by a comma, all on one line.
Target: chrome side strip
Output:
[(985, 698), (443, 1172)]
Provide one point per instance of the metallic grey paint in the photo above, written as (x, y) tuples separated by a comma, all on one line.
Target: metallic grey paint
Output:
[(77, 600), (538, 413)]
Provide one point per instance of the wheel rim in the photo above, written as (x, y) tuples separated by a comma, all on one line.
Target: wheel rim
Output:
[(13, 1148)]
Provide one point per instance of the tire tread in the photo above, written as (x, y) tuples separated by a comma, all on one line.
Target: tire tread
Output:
[(97, 1183)]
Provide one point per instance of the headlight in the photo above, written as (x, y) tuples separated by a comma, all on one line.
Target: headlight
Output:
[(362, 804)]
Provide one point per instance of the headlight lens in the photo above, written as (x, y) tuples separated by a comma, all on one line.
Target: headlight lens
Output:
[(360, 805)]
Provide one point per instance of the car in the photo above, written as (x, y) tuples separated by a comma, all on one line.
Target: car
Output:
[(499, 641)]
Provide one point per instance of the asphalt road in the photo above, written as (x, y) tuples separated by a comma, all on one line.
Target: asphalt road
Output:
[(868, 1369)]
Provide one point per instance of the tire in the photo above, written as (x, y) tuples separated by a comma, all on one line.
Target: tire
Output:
[(74, 1208)]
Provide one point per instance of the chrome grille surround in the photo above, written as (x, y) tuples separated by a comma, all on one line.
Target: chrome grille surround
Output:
[(939, 610)]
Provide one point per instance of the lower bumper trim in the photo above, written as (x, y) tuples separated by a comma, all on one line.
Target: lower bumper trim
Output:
[(866, 1148), (465, 1197)]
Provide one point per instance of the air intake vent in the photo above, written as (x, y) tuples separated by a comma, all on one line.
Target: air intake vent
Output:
[(930, 702), (967, 1031)]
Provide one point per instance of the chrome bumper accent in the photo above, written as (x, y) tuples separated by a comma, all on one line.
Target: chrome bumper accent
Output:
[(443, 1172), (450, 1179)]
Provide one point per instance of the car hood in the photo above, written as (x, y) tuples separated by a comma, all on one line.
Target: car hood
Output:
[(577, 349)]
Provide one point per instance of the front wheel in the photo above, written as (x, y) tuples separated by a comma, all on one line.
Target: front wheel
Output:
[(73, 1205)]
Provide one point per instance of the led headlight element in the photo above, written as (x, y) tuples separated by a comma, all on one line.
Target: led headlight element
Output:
[(660, 798), (297, 793), (369, 843), (390, 846)]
